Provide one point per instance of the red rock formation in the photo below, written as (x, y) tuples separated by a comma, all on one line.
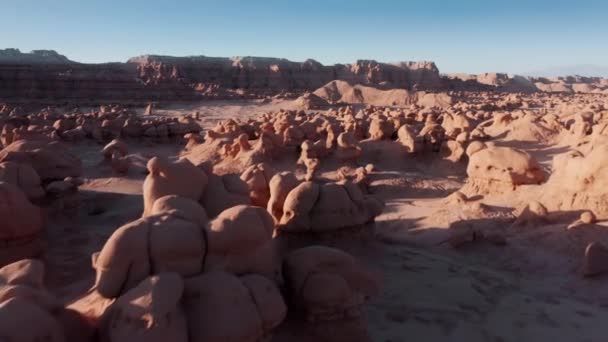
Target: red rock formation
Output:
[(47, 77)]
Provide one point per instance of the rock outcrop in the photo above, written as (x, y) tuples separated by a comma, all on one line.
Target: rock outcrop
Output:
[(28, 312), (21, 228), (312, 207), (47, 77), (50, 160)]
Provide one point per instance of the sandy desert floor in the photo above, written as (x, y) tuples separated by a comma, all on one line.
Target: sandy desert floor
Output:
[(530, 289)]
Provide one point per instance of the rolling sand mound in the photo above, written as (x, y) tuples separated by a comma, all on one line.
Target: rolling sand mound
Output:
[(344, 92)]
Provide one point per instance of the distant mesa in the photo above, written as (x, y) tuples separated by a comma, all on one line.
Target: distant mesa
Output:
[(15, 56), (45, 76), (583, 70)]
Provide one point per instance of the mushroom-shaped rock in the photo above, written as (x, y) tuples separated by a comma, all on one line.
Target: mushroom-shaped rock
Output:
[(326, 283), (586, 218), (407, 137), (268, 298), (223, 192), (452, 150), (257, 178), (119, 163), (180, 178), (455, 124), (298, 205), (214, 299), (341, 206), (312, 207), (504, 164), (111, 129), (280, 185), (21, 226), (432, 135), (124, 260), (312, 150), (193, 139), (24, 177), (348, 147), (150, 311), (176, 244), (24, 302), (577, 181), (50, 160), (240, 242), (293, 136), (115, 146), (380, 129), (181, 207), (312, 166), (148, 110), (267, 147), (596, 259), (170, 241), (474, 147)]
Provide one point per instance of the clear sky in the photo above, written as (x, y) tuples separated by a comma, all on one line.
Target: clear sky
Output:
[(469, 36)]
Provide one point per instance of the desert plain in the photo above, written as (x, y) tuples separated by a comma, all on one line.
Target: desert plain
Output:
[(257, 199)]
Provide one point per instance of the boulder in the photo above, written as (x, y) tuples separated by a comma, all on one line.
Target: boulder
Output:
[(24, 302), (24, 177), (311, 207), (257, 178), (50, 159), (348, 148), (506, 165), (115, 146), (280, 185), (327, 284), (180, 178), (577, 181), (21, 228), (240, 242), (223, 192), (214, 299), (150, 312), (171, 239), (596, 260)]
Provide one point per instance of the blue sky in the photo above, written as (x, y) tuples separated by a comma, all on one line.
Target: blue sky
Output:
[(469, 36)]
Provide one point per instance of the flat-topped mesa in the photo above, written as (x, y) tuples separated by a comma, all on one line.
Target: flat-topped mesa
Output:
[(15, 56), (46, 77), (282, 74)]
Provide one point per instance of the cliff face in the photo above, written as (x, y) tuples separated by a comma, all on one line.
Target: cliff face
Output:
[(45, 76), (99, 83), (280, 74), (14, 56)]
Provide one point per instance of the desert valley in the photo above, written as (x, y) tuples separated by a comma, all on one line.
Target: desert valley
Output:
[(203, 199)]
